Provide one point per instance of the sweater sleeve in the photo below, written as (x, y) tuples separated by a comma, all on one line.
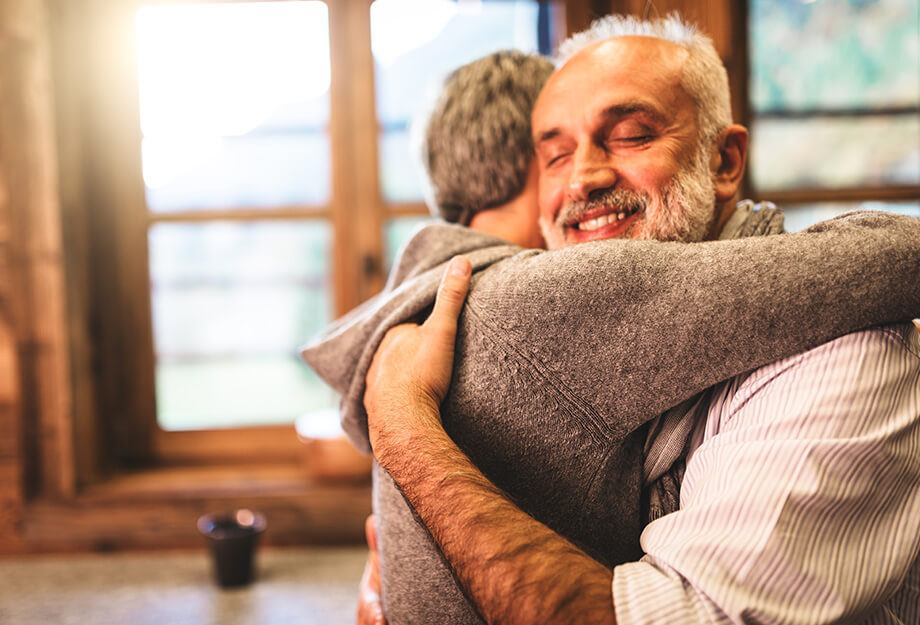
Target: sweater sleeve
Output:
[(644, 325)]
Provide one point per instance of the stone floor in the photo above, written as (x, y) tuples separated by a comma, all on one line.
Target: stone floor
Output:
[(314, 586)]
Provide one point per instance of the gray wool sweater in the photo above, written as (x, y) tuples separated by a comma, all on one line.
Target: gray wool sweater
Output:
[(563, 356)]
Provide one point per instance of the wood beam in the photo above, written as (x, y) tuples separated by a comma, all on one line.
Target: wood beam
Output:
[(908, 193), (33, 310)]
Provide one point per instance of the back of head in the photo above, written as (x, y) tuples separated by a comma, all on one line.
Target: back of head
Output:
[(478, 146), (704, 77)]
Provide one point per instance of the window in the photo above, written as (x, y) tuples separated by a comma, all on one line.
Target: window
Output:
[(253, 178), (835, 99), (234, 112)]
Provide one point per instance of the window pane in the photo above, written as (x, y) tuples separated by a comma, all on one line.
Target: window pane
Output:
[(400, 178), (398, 233), (835, 92), (415, 44), (234, 104), (837, 54), (231, 304), (250, 170), (835, 151), (802, 216)]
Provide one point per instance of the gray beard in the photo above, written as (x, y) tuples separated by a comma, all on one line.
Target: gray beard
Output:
[(686, 208), (683, 211)]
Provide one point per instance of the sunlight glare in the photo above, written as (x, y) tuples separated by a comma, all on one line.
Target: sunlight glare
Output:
[(222, 70), (400, 26)]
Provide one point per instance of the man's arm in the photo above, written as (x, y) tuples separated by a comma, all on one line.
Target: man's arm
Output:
[(515, 569), (594, 317)]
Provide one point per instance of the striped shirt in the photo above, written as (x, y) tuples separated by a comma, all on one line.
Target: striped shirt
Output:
[(801, 497)]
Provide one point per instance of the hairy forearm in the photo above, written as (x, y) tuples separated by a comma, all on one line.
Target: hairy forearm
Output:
[(514, 569)]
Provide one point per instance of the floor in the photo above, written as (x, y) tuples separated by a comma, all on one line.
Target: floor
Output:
[(294, 587)]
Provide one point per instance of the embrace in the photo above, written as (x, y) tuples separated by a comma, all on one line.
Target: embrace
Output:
[(675, 414)]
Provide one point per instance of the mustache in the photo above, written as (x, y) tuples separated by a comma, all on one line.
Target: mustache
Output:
[(625, 200)]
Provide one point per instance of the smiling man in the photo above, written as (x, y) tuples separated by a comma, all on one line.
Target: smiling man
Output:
[(628, 156), (563, 357)]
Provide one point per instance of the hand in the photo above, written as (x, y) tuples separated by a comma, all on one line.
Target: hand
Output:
[(410, 374), (370, 608)]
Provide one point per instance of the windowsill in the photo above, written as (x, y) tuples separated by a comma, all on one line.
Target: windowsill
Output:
[(158, 508), (190, 482)]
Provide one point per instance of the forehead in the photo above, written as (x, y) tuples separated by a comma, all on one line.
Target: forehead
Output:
[(612, 72)]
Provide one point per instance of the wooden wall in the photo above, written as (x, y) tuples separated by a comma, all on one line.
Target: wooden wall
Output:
[(36, 449)]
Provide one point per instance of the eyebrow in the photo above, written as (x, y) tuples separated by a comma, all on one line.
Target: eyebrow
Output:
[(547, 135), (631, 108), (612, 112)]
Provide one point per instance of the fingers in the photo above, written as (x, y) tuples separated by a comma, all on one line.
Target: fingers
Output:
[(370, 608), (370, 531), (451, 294), (373, 557)]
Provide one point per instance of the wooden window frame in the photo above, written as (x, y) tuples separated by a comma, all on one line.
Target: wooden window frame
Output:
[(816, 195), (126, 341)]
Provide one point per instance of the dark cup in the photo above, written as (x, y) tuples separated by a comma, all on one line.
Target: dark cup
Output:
[(233, 538)]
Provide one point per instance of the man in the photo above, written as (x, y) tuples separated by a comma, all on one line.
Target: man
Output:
[(796, 507)]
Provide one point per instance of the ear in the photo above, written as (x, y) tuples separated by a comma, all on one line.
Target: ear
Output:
[(729, 157)]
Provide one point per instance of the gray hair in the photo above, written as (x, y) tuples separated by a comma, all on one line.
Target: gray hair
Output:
[(478, 146), (704, 76)]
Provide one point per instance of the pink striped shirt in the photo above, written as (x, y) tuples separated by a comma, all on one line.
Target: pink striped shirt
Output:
[(801, 497)]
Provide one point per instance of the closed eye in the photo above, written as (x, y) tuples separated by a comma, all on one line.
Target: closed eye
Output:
[(633, 141), (629, 132), (556, 158), (636, 139)]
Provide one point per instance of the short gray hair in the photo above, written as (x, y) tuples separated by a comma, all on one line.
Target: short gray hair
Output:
[(478, 147), (704, 76)]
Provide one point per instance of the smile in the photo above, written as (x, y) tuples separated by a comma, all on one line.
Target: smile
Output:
[(603, 220)]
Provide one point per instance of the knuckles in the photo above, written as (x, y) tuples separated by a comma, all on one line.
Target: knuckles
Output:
[(453, 291)]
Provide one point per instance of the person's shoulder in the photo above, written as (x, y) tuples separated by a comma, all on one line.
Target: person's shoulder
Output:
[(873, 353), (900, 337), (862, 381), (907, 335), (433, 244)]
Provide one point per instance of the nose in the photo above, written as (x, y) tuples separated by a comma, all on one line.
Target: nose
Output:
[(591, 170)]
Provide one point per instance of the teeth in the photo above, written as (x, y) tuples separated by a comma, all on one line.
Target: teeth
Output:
[(599, 222)]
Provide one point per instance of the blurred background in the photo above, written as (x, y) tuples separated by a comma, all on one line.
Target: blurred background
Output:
[(191, 190)]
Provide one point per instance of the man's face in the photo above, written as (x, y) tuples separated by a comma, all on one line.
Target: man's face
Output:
[(618, 149)]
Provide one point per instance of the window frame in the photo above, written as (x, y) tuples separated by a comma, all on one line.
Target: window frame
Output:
[(356, 212), (804, 195), (119, 309)]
